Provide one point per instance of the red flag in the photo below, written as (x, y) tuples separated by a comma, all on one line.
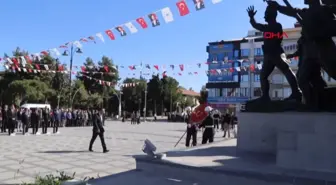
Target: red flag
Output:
[(195, 73), (83, 68), (106, 68), (92, 38), (231, 70), (37, 66), (45, 53), (83, 40), (181, 67), (156, 67), (28, 59), (142, 22), (164, 74), (252, 68), (15, 61), (60, 67), (131, 67), (110, 34), (183, 8), (199, 114)]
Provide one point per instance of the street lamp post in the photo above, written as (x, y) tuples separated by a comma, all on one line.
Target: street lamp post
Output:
[(145, 108), (78, 50)]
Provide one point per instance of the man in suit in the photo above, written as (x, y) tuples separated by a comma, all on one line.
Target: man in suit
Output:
[(4, 119), (57, 120), (154, 20), (11, 120), (34, 120), (45, 121), (98, 130), (24, 119), (121, 31)]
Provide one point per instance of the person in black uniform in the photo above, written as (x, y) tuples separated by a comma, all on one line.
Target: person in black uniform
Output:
[(4, 119), (11, 120), (208, 124), (191, 130), (216, 117), (46, 118), (24, 119), (57, 120), (98, 130), (34, 120), (274, 55)]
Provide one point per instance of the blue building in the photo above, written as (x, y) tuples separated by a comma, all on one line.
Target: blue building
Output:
[(224, 74)]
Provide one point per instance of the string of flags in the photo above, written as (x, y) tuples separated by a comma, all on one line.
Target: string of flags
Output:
[(111, 83), (123, 30)]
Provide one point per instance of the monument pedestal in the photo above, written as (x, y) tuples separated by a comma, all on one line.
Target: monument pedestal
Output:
[(300, 140)]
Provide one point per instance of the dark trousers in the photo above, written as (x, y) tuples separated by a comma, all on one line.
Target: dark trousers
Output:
[(270, 62), (94, 137), (25, 128), (55, 126), (3, 126), (216, 122), (208, 135), (191, 133), (35, 127), (44, 126), (11, 126)]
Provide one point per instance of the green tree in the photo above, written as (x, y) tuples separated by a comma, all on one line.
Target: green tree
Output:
[(170, 92), (154, 91), (133, 96)]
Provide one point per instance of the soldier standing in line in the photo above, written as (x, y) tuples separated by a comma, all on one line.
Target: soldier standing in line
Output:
[(4, 119), (208, 124), (45, 115), (25, 122), (11, 120), (34, 120)]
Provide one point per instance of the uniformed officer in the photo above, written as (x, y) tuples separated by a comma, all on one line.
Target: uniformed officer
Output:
[(208, 124)]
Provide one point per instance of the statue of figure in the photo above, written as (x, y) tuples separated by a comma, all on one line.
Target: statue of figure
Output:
[(274, 55), (309, 77), (317, 46)]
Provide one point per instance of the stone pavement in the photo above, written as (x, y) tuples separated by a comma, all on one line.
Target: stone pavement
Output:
[(24, 157)]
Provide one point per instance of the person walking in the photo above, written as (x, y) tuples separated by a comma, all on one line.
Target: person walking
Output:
[(34, 120), (45, 121), (25, 122), (11, 121), (98, 130), (226, 123)]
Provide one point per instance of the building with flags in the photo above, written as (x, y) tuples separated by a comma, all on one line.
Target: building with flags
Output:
[(246, 62)]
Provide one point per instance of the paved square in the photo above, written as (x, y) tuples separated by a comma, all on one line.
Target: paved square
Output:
[(23, 157)]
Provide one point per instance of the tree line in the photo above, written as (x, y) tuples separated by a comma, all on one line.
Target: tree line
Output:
[(163, 94)]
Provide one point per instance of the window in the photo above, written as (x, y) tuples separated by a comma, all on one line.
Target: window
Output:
[(258, 52), (225, 92), (257, 78), (287, 92), (235, 78), (236, 53), (244, 78), (245, 52)]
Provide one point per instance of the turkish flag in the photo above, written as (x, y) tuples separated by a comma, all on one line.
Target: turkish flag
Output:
[(181, 67), (106, 68), (183, 8), (156, 67), (199, 114), (142, 22), (252, 68), (110, 34)]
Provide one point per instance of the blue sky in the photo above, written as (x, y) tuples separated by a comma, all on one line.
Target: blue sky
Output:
[(37, 25)]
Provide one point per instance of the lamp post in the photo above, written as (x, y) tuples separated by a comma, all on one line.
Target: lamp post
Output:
[(145, 107), (78, 50)]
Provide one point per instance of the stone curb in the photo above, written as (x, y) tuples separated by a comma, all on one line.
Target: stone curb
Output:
[(75, 182), (270, 177)]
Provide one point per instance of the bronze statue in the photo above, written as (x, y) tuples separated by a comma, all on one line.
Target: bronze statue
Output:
[(317, 47), (274, 55)]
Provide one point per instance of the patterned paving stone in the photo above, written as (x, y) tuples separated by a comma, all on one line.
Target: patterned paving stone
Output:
[(68, 150)]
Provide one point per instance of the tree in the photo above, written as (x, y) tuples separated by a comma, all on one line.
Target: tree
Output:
[(133, 96), (154, 91), (171, 92)]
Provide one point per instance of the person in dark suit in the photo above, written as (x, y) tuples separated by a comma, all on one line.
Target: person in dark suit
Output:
[(46, 118), (34, 120), (11, 120), (57, 120), (4, 119), (154, 20), (98, 130), (199, 4), (24, 119)]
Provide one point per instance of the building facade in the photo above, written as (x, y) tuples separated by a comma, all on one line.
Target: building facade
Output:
[(246, 85)]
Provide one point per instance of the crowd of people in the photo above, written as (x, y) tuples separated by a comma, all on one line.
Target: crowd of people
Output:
[(18, 120)]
